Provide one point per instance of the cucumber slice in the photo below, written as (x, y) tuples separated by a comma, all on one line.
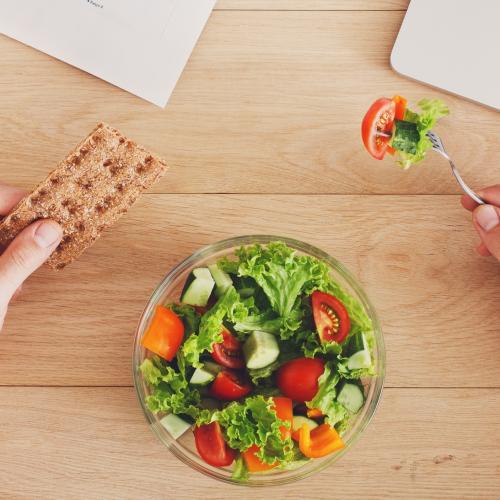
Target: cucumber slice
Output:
[(222, 280), (298, 421), (406, 136), (362, 358), (175, 425), (260, 350), (201, 376), (205, 375), (203, 273), (351, 397), (198, 288)]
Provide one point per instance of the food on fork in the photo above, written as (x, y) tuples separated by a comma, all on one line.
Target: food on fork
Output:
[(87, 192), (389, 126)]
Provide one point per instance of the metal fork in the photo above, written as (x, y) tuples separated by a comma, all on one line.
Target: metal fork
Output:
[(437, 145)]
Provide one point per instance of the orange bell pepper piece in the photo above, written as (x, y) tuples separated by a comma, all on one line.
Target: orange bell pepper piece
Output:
[(165, 333), (296, 433), (314, 413), (284, 411), (254, 463), (319, 442), (401, 103)]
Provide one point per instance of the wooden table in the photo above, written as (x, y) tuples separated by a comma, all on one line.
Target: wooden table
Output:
[(262, 136)]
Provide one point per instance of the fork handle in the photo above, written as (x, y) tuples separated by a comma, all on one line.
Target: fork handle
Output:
[(467, 190)]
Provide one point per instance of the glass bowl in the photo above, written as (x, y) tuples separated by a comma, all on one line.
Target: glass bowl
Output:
[(184, 448)]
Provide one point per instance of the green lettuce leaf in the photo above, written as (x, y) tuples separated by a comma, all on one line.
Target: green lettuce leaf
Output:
[(189, 316), (325, 399), (240, 471), (286, 278), (282, 274), (298, 460), (227, 265), (230, 308), (432, 111), (254, 422), (312, 347), (170, 390), (258, 374), (264, 322)]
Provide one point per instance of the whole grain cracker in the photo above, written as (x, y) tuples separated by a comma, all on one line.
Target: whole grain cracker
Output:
[(87, 192)]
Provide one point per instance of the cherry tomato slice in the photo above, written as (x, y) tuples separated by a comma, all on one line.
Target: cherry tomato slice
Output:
[(211, 445), (331, 317), (165, 333), (228, 353), (379, 118), (298, 379), (230, 385)]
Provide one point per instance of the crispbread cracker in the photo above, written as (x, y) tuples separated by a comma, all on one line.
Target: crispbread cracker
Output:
[(87, 192)]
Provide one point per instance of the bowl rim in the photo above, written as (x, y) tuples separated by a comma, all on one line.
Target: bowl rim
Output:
[(263, 239)]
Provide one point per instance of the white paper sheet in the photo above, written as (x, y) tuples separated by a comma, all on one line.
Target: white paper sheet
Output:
[(141, 46)]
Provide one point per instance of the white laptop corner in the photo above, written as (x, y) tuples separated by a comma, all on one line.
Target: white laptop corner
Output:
[(452, 45)]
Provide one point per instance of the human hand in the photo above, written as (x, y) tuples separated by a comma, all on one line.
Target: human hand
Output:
[(486, 220), (29, 250)]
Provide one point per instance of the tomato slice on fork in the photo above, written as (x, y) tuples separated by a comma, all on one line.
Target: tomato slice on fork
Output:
[(377, 126)]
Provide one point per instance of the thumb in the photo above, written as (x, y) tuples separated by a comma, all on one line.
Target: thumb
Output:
[(29, 250), (487, 222)]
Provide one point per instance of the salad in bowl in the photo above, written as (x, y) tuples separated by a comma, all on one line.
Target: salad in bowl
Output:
[(259, 360)]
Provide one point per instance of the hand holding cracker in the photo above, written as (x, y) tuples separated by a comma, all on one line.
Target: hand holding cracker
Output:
[(27, 252), (65, 214), (87, 192)]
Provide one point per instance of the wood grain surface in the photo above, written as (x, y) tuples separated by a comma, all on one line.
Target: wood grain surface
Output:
[(92, 443), (266, 96), (262, 136)]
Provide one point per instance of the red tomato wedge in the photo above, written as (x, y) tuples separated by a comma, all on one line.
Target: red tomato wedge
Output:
[(165, 333), (230, 385), (228, 353), (284, 411), (298, 379), (379, 118), (211, 445), (331, 317)]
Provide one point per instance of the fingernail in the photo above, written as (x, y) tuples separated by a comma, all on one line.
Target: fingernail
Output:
[(487, 217), (47, 233)]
